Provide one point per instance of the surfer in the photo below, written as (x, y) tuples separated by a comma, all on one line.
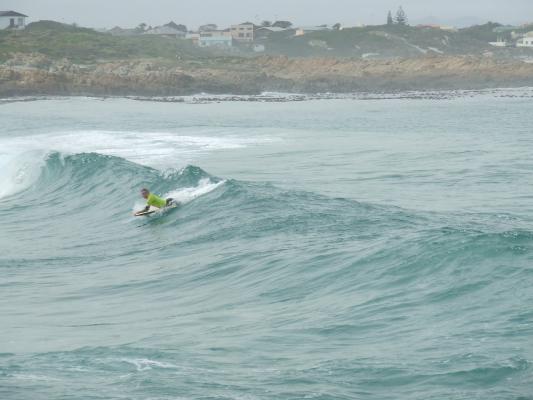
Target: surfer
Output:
[(154, 201)]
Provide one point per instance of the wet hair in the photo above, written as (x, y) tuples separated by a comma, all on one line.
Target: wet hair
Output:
[(144, 190)]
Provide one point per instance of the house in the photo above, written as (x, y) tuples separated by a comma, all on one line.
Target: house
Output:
[(310, 29), (264, 32), (500, 42), (215, 39), (165, 31), (171, 29), (12, 20), (526, 41), (243, 32), (208, 28)]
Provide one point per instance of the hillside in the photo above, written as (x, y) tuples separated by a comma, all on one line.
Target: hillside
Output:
[(56, 59), (58, 40), (388, 41)]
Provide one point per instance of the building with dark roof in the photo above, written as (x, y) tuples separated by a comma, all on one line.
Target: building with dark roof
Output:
[(12, 20)]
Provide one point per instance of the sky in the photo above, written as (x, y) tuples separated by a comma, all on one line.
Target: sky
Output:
[(129, 13)]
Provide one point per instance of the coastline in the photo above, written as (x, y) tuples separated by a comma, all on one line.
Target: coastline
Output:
[(275, 97), (37, 75)]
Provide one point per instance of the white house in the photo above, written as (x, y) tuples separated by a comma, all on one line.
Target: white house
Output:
[(215, 39), (304, 30), (12, 20), (526, 41), (500, 42), (243, 32)]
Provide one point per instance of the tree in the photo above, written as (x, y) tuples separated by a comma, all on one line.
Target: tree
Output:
[(282, 24), (337, 27), (178, 27), (140, 28), (266, 24), (390, 21), (401, 17)]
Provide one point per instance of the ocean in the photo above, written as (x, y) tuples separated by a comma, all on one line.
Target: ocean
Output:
[(374, 247)]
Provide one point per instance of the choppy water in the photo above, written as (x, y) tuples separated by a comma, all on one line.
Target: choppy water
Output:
[(330, 249)]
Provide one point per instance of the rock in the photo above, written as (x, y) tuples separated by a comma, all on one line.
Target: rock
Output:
[(27, 74)]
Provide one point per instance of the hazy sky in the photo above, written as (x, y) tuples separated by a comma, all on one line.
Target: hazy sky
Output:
[(108, 13)]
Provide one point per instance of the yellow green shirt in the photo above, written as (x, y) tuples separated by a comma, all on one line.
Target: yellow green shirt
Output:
[(155, 201)]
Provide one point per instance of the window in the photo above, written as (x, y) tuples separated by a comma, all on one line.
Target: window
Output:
[(241, 35), (21, 21)]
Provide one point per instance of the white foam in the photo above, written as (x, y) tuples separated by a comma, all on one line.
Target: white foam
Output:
[(18, 172), (188, 194), (143, 364), (30, 377), (162, 150), (156, 149)]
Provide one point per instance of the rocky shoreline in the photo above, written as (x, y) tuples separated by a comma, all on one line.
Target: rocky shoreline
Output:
[(516, 93), (35, 74)]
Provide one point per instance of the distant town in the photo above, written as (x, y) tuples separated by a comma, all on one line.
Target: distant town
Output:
[(53, 58), (254, 37)]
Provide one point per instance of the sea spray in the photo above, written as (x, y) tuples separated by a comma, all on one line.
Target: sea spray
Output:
[(188, 194), (20, 171)]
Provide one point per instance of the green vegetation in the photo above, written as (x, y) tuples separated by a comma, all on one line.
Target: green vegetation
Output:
[(391, 40), (82, 45), (525, 29), (483, 33), (390, 21), (58, 40), (401, 17)]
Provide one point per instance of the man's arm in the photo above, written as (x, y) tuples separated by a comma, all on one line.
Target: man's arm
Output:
[(145, 209)]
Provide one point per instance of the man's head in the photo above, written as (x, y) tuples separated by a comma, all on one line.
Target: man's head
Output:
[(145, 193)]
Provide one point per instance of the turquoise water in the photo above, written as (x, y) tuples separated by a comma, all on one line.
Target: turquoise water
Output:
[(325, 249)]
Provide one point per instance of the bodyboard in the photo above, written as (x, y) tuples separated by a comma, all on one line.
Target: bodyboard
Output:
[(153, 210)]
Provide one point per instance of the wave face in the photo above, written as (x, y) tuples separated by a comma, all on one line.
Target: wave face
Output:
[(251, 290)]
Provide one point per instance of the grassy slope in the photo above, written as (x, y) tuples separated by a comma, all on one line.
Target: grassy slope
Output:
[(86, 45), (386, 40)]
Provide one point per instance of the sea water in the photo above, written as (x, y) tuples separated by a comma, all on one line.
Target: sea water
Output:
[(354, 248)]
